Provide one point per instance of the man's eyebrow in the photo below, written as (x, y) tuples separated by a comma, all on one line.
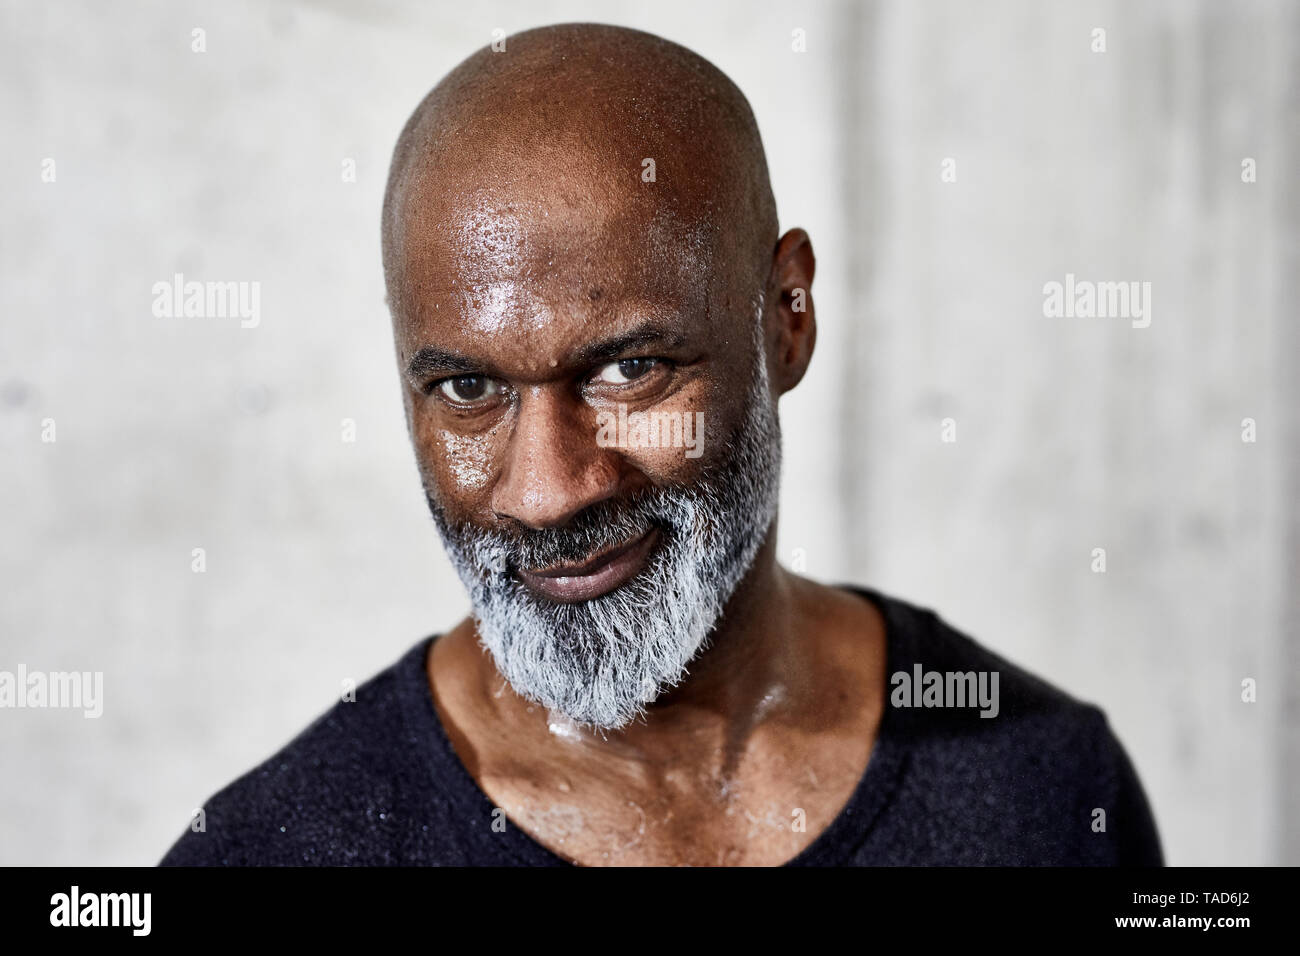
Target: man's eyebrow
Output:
[(647, 333), (431, 360)]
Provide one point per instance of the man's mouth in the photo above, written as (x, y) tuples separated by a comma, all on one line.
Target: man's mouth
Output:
[(598, 575)]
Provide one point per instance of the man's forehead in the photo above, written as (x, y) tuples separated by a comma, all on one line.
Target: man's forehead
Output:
[(512, 223), (496, 252)]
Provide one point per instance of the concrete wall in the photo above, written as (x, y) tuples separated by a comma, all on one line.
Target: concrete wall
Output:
[(321, 562)]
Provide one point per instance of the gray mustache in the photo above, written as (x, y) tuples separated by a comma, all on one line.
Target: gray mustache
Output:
[(597, 528)]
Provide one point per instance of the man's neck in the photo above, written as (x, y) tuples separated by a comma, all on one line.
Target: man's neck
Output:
[(752, 656)]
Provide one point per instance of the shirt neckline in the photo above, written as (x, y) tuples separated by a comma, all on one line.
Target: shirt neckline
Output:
[(833, 846)]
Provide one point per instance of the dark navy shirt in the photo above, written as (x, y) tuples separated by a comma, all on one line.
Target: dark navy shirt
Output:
[(375, 781)]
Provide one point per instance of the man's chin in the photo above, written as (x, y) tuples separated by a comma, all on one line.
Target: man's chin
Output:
[(597, 662)]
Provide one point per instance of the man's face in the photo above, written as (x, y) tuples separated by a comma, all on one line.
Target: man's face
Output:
[(541, 333)]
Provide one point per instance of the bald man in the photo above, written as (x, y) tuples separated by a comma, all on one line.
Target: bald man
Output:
[(595, 316)]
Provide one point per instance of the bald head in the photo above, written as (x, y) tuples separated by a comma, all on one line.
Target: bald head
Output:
[(600, 127)]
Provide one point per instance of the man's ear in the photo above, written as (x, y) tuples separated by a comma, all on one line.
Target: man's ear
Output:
[(795, 331)]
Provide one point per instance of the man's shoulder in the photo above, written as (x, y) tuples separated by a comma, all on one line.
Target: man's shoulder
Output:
[(934, 665), (332, 795), (995, 749)]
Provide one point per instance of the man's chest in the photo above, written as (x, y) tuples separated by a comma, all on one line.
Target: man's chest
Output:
[(763, 816)]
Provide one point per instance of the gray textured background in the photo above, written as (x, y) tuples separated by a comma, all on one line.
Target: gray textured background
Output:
[(322, 563)]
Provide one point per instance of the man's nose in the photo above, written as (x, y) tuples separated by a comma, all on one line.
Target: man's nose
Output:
[(553, 466)]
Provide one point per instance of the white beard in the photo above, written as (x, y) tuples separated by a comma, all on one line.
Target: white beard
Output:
[(599, 662)]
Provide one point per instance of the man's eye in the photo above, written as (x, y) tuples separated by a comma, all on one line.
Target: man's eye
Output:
[(624, 370), (467, 389)]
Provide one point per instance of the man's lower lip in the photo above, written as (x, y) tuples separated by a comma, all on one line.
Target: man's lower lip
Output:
[(616, 572)]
